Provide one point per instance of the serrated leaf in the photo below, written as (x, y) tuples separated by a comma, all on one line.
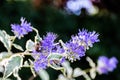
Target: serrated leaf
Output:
[(30, 45), (43, 74), (14, 62), (5, 39), (18, 47), (55, 56)]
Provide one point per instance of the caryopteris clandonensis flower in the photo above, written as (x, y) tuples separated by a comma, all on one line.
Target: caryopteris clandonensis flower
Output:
[(79, 43), (72, 50), (47, 46), (22, 29), (105, 65)]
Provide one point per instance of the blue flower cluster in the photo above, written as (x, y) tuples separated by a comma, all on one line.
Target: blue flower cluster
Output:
[(106, 65), (72, 50), (47, 46), (79, 43), (41, 61), (21, 29)]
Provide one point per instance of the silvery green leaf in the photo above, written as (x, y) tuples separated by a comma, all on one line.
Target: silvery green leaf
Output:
[(3, 62), (1, 68), (18, 47), (93, 70), (69, 72), (30, 45), (37, 38), (26, 64), (77, 72), (55, 56), (93, 73), (66, 64), (85, 75), (91, 63), (4, 55), (62, 77), (13, 63), (43, 74), (5, 79), (5, 39), (15, 73), (68, 68)]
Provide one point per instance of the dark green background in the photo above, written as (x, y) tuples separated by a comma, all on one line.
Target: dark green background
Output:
[(47, 18)]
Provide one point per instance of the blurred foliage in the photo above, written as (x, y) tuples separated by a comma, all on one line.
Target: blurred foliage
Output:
[(46, 16)]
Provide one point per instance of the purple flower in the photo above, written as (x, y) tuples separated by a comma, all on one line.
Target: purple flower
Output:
[(47, 47), (79, 43), (106, 65), (75, 6), (75, 51), (18, 31), (48, 41), (40, 60), (22, 29), (27, 26), (88, 38), (40, 63), (48, 44)]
